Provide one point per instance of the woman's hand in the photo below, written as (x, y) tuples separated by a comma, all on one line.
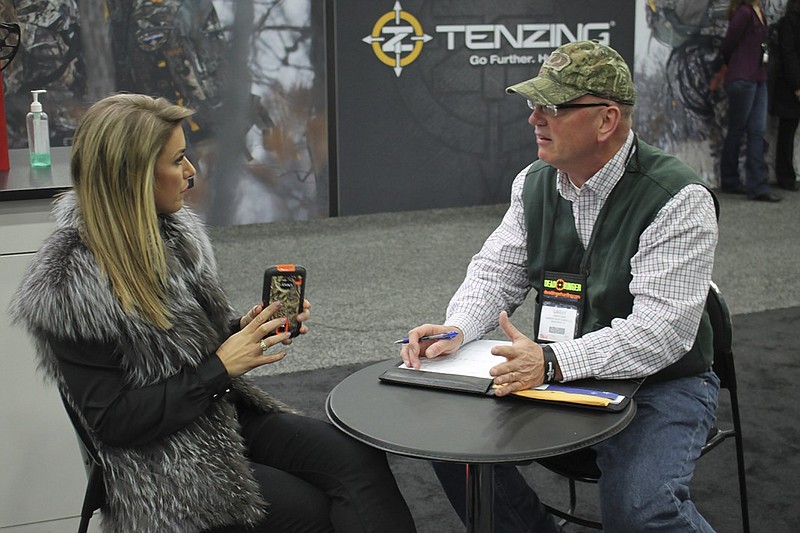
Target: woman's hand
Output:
[(251, 347), (302, 317), (246, 319)]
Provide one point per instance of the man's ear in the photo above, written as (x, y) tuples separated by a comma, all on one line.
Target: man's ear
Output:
[(611, 118)]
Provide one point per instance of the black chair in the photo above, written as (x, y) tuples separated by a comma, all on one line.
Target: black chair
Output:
[(95, 496), (580, 466)]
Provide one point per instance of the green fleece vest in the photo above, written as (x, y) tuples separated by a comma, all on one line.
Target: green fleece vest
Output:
[(651, 179)]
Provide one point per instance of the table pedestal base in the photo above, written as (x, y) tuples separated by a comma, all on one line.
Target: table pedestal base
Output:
[(480, 498)]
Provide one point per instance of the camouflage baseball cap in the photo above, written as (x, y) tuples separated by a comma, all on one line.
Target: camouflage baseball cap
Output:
[(577, 69)]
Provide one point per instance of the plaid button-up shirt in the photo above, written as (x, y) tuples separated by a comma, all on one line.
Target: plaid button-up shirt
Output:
[(671, 275)]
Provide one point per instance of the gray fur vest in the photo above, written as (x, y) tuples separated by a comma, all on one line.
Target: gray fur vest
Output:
[(197, 477)]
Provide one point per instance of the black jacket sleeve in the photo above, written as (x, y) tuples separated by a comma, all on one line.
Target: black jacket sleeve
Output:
[(790, 50), (123, 416)]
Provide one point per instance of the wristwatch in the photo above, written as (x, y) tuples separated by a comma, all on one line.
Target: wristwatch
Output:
[(550, 363)]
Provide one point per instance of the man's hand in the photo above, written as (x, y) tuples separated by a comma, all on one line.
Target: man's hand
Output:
[(525, 366), (415, 349)]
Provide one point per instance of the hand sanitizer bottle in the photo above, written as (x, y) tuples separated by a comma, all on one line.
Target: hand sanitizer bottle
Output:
[(38, 133)]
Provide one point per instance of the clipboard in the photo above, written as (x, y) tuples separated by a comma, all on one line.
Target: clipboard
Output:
[(473, 363)]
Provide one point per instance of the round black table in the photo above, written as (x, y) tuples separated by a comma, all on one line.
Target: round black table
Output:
[(457, 427)]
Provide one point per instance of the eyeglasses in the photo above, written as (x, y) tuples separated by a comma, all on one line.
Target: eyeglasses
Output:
[(552, 110)]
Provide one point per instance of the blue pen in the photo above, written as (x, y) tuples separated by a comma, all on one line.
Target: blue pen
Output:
[(437, 337), (576, 390)]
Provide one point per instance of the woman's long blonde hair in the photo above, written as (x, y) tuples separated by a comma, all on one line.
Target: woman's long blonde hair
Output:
[(114, 154)]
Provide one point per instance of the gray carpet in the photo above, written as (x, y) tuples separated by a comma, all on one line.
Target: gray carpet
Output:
[(373, 277)]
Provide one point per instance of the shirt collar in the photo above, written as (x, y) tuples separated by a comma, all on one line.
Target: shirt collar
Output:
[(604, 181)]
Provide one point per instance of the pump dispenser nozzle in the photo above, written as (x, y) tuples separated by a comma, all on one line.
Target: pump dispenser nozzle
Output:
[(36, 105)]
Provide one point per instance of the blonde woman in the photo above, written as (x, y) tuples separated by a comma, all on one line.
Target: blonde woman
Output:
[(132, 325)]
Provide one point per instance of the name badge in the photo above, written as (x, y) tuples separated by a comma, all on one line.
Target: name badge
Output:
[(562, 306)]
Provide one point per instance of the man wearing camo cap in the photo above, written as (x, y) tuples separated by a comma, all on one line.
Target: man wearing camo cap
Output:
[(634, 230)]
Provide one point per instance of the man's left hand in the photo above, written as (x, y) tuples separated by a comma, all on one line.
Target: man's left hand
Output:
[(524, 367)]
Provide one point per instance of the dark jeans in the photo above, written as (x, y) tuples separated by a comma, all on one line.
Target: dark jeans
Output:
[(317, 479), (747, 114), (784, 152)]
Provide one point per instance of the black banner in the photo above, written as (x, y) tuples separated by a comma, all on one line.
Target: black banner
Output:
[(423, 118)]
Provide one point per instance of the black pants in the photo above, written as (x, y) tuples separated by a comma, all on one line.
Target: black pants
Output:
[(784, 152), (317, 479)]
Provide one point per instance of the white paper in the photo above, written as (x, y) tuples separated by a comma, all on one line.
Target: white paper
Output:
[(473, 359)]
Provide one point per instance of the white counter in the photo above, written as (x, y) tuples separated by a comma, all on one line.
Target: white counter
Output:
[(42, 479)]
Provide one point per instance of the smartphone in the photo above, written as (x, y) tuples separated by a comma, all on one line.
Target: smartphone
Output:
[(286, 283)]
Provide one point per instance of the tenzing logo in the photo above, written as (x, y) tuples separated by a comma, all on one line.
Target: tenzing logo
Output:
[(397, 39)]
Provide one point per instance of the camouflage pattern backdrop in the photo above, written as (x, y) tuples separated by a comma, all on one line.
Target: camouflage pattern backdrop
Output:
[(253, 70), (677, 55)]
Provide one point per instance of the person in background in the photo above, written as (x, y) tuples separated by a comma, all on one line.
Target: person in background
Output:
[(786, 96), (744, 51), (131, 323), (636, 229)]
